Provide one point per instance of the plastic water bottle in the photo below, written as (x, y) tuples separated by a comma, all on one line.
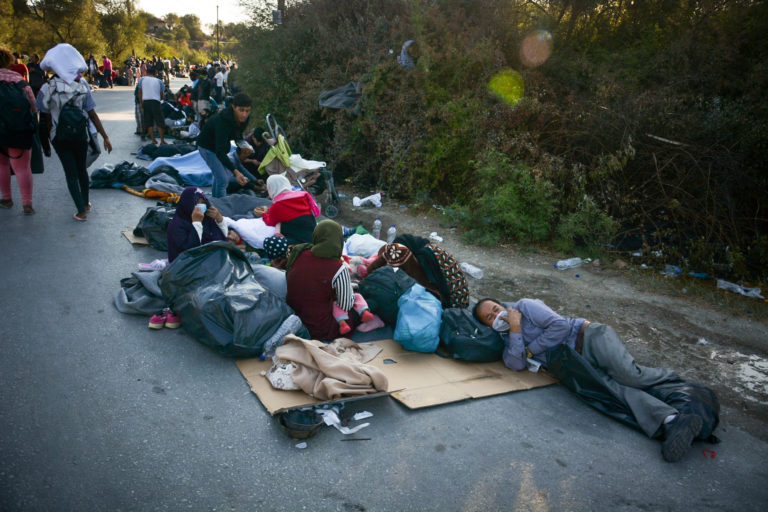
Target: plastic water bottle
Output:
[(391, 234), (569, 263), (376, 228), (472, 270)]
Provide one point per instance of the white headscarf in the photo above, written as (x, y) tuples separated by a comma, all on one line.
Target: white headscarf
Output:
[(277, 184), (64, 60)]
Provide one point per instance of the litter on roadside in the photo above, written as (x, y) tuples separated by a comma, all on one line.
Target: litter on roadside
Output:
[(753, 293)]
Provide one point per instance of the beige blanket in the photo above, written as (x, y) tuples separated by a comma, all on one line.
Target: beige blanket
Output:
[(328, 372)]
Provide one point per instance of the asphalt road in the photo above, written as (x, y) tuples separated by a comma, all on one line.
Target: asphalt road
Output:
[(97, 412)]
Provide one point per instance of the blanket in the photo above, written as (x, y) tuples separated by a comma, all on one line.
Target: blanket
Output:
[(328, 372)]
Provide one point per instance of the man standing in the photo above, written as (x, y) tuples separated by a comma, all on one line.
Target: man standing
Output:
[(214, 145), (150, 95), (36, 74), (219, 77), (107, 68), (532, 329)]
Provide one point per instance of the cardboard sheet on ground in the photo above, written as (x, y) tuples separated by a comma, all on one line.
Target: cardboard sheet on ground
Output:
[(416, 380), (135, 240)]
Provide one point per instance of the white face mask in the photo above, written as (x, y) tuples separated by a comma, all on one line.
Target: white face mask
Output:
[(202, 207), (499, 324)]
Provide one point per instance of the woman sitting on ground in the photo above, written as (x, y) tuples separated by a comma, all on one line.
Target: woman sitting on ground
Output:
[(319, 286), (195, 223), (429, 264), (293, 213)]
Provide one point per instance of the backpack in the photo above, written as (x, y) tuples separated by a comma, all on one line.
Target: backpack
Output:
[(73, 123), (463, 337), (382, 289), (17, 122)]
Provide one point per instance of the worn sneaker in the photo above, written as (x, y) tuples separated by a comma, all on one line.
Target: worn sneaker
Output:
[(678, 436), (172, 320), (158, 321)]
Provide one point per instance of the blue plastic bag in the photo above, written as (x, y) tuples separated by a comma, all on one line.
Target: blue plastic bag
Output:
[(418, 320)]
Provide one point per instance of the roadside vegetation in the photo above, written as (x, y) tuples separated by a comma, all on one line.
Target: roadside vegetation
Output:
[(635, 126)]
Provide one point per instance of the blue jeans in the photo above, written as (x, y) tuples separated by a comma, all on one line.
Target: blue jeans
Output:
[(221, 175)]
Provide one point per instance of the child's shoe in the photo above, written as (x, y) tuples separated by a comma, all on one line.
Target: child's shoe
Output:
[(158, 321), (172, 320), (344, 327), (366, 316)]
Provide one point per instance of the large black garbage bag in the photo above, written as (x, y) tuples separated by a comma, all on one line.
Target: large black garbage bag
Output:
[(124, 173), (576, 374), (690, 398), (344, 97), (153, 225), (221, 304)]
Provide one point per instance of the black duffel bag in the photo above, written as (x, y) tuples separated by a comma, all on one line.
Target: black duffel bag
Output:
[(463, 337), (381, 290)]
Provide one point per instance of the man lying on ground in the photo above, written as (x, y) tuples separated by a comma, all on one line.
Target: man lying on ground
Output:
[(530, 326)]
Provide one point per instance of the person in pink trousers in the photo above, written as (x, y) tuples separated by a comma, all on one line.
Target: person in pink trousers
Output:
[(15, 148)]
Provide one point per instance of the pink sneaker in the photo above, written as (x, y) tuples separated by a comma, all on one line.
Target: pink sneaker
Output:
[(366, 316), (172, 320), (158, 321)]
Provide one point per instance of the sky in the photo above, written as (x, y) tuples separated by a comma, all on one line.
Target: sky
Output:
[(229, 10)]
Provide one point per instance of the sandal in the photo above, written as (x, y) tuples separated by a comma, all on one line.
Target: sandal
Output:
[(81, 219), (6, 203), (28, 210), (88, 208)]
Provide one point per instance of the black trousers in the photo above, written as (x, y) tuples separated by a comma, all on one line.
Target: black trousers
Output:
[(72, 156)]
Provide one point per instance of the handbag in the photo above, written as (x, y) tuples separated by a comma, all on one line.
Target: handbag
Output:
[(36, 158)]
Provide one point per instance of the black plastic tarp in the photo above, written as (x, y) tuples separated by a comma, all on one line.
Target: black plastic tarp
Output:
[(220, 301), (576, 374), (344, 97), (124, 173)]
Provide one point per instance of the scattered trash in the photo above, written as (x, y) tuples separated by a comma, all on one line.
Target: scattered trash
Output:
[(637, 254), (533, 365), (658, 254), (620, 263), (671, 271), (702, 341), (331, 418), (753, 293), (301, 445), (596, 263), (435, 237), (643, 266), (569, 263), (376, 232), (709, 454), (372, 200), (472, 270), (577, 275), (700, 275), (362, 415), (155, 265)]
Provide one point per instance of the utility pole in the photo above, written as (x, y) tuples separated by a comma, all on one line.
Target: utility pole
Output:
[(218, 53)]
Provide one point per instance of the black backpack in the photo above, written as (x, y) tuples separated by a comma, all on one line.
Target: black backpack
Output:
[(73, 123), (381, 290), (463, 337), (17, 122)]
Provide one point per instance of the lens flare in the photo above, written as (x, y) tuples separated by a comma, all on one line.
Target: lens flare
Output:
[(508, 85), (536, 48)]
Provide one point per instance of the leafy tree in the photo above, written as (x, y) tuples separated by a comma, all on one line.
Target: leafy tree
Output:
[(122, 29)]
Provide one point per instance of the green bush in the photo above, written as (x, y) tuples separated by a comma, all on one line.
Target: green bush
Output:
[(509, 202)]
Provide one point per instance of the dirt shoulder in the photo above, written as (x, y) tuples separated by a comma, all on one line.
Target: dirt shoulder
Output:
[(707, 335)]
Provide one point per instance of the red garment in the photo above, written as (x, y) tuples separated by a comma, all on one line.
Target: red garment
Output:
[(288, 209), (185, 101), (20, 69), (311, 295)]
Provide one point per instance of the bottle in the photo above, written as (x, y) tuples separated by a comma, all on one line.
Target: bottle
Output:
[(472, 270), (377, 228), (391, 234), (569, 263)]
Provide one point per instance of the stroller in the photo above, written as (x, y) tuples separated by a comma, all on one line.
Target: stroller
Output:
[(311, 177)]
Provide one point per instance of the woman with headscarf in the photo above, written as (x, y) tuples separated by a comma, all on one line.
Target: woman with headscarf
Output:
[(430, 265), (293, 213), (195, 223), (317, 280)]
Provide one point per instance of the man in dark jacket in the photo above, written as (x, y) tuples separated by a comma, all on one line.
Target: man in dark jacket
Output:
[(214, 143)]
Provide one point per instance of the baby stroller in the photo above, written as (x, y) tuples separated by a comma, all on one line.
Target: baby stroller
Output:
[(312, 177)]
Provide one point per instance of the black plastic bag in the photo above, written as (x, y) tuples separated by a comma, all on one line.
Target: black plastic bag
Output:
[(463, 337), (381, 290), (153, 225), (576, 374), (220, 301)]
